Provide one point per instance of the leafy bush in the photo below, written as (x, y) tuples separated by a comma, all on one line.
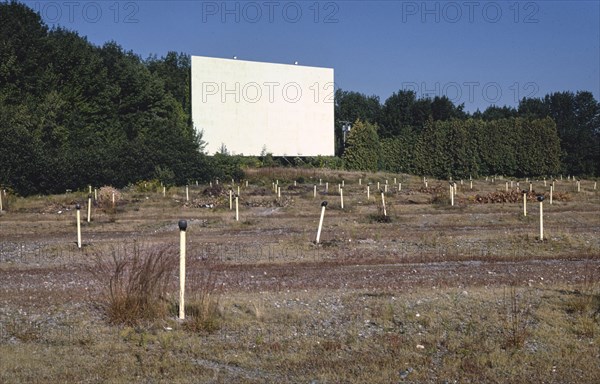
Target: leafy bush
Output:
[(148, 186), (225, 167)]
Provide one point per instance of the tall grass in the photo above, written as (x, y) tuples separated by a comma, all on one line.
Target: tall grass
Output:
[(135, 282), (516, 318), (202, 307)]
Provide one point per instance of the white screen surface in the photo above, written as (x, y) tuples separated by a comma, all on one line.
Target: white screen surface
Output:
[(251, 108)]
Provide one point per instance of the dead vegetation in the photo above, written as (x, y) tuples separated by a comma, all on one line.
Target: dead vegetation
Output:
[(135, 281), (515, 196)]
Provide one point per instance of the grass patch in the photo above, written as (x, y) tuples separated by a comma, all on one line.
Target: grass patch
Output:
[(135, 282), (516, 318), (202, 309), (379, 218), (584, 304)]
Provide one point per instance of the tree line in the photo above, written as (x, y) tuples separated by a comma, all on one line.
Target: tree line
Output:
[(457, 149), (74, 114), (559, 133)]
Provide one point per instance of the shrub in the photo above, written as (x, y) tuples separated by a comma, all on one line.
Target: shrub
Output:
[(145, 186), (105, 195)]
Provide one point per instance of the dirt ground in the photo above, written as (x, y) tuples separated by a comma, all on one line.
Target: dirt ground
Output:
[(272, 280)]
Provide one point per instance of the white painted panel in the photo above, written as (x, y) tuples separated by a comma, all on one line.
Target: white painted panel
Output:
[(250, 106)]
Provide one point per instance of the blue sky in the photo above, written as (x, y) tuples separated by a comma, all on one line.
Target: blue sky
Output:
[(479, 53)]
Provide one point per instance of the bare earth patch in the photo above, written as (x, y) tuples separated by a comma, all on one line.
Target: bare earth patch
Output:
[(436, 294)]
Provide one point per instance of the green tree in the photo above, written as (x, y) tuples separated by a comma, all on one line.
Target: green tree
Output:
[(350, 106), (396, 114), (175, 70), (23, 52), (540, 148), (577, 118), (443, 109), (20, 158), (497, 142), (496, 113), (362, 147), (399, 154), (85, 114)]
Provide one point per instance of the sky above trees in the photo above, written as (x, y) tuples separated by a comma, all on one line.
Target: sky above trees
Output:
[(478, 53)]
